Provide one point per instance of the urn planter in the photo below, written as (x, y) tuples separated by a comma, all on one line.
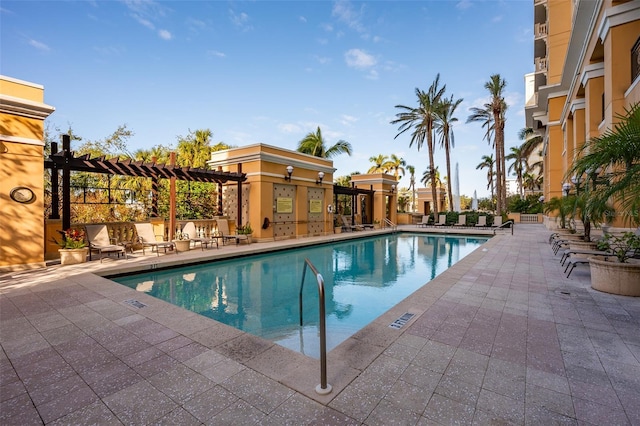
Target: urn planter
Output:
[(73, 256), (615, 277), (182, 245)]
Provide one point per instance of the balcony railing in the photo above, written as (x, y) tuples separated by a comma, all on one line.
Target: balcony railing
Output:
[(635, 60), (540, 30), (541, 64)]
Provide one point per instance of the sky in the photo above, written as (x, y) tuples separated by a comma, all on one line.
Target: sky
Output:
[(272, 71)]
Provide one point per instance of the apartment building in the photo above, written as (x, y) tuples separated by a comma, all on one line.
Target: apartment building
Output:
[(587, 71)]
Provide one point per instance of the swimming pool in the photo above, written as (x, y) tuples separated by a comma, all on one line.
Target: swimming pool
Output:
[(258, 294)]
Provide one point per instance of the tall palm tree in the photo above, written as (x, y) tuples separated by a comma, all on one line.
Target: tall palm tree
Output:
[(421, 120), (195, 149), (489, 163), (379, 163), (314, 144), (531, 141), (444, 127), (427, 176), (412, 186), (495, 86), (518, 166), (396, 164)]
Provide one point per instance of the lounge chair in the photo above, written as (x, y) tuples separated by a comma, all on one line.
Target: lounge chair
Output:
[(223, 230), (363, 225), (99, 241), (574, 261), (482, 222), (148, 239), (442, 220), (347, 226), (497, 222), (425, 221), (190, 230), (462, 220)]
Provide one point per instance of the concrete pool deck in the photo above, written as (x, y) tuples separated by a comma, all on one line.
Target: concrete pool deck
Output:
[(502, 337)]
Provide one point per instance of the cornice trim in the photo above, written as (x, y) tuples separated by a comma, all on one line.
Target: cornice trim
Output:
[(17, 139), (618, 15), (25, 108), (592, 71)]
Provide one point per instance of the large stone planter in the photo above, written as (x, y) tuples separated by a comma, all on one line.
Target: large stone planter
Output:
[(182, 245), (73, 256), (583, 245), (615, 277)]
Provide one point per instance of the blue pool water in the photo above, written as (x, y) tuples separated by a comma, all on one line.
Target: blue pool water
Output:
[(259, 294)]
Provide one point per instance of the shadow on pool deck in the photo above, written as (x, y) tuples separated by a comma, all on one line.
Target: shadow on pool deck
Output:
[(501, 337)]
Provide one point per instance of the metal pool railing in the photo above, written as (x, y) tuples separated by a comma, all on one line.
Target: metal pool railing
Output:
[(323, 388)]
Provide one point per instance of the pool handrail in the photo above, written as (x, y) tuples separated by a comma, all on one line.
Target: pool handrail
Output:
[(323, 388)]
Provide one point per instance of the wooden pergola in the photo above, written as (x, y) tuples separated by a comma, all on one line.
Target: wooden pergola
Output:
[(66, 161), (352, 191)]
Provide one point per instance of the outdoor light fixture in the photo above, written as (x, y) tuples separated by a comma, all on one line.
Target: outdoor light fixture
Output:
[(320, 177), (541, 199), (393, 189), (576, 180), (289, 172), (565, 188)]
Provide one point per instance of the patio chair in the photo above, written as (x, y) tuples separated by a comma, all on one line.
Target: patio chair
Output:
[(190, 229), (223, 230), (347, 226), (574, 261), (442, 220), (462, 220), (148, 239), (424, 222), (482, 222), (363, 225), (99, 241), (497, 221)]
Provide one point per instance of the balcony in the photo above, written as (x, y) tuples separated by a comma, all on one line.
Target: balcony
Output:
[(540, 30), (541, 64)]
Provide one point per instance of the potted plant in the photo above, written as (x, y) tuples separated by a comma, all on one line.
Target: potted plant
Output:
[(245, 230), (73, 247), (182, 241), (619, 273)]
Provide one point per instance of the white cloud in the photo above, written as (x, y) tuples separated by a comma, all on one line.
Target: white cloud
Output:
[(373, 75), (360, 59), (143, 22), (240, 20), (165, 35), (302, 19), (346, 13), (39, 45), (348, 120), (497, 19), (322, 59), (289, 128), (216, 53), (464, 4), (327, 27)]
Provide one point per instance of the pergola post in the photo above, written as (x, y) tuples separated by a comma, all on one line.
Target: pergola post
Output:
[(66, 182)]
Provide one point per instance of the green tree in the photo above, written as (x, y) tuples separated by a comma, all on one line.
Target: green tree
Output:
[(421, 121), (444, 127), (396, 164), (493, 117), (488, 163), (518, 166), (412, 186), (379, 163), (314, 144)]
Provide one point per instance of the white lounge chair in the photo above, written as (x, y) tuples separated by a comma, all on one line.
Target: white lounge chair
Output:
[(442, 220), (148, 239), (189, 229), (462, 220), (482, 222), (497, 221), (347, 226), (99, 241), (425, 221), (223, 230)]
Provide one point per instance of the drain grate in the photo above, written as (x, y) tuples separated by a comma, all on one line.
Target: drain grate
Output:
[(400, 322), (135, 303)]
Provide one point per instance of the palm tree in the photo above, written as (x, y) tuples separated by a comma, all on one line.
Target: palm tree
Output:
[(412, 186), (379, 162), (616, 153), (531, 142), (195, 149), (444, 127), (396, 164), (433, 178), (518, 166), (493, 117), (421, 120), (314, 144), (489, 163)]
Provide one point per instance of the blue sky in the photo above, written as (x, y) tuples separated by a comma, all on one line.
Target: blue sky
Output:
[(270, 72)]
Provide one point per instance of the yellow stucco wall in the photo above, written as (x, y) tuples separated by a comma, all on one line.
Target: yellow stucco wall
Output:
[(559, 17), (22, 115)]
